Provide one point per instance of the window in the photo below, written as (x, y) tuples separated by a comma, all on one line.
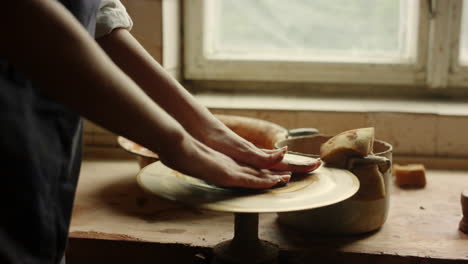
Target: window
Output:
[(458, 74), (407, 42), (367, 31), (463, 59)]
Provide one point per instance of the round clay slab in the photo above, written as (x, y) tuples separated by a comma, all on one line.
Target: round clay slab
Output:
[(322, 187)]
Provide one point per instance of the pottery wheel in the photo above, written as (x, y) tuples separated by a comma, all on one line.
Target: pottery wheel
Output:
[(322, 187)]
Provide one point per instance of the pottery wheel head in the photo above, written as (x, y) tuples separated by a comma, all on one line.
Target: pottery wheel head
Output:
[(322, 187)]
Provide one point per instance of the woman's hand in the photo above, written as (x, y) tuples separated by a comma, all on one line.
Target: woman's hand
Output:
[(193, 158), (219, 137)]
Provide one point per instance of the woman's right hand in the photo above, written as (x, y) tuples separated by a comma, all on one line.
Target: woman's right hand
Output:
[(191, 157)]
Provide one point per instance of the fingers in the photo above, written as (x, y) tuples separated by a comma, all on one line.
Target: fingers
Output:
[(258, 158), (251, 178), (200, 161), (243, 151), (279, 173), (297, 166), (271, 151), (284, 176), (261, 181)]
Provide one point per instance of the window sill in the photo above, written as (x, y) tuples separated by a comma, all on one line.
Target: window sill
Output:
[(415, 128), (429, 132), (335, 104)]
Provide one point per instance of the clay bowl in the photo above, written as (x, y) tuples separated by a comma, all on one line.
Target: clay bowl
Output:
[(348, 217), (261, 133), (143, 155)]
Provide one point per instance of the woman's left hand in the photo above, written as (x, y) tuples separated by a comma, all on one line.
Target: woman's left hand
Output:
[(224, 140)]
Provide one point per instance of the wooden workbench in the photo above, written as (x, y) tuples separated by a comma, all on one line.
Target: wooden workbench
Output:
[(114, 220)]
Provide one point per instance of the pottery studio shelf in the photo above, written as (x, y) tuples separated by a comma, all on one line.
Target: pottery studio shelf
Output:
[(115, 221)]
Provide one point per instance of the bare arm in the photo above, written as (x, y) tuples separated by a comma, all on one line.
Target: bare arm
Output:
[(60, 57), (75, 71), (128, 54)]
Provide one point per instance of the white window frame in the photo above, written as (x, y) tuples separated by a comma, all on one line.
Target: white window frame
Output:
[(457, 75), (435, 65)]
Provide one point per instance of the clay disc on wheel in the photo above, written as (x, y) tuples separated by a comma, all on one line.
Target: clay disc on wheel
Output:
[(322, 187)]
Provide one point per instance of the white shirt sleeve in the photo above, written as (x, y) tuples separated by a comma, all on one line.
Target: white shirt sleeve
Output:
[(111, 15)]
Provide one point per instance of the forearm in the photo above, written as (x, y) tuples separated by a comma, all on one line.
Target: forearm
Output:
[(73, 70), (134, 60)]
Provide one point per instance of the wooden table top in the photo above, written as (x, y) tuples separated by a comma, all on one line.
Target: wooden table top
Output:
[(422, 223)]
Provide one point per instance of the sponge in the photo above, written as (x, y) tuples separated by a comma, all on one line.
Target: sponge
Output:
[(352, 143), (411, 175)]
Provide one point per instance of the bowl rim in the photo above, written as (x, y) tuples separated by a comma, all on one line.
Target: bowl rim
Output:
[(279, 130), (124, 143), (277, 144)]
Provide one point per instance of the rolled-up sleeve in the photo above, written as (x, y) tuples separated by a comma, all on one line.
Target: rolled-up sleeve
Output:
[(111, 15)]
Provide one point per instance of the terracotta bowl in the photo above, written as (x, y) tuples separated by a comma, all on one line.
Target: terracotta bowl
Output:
[(262, 133), (348, 217)]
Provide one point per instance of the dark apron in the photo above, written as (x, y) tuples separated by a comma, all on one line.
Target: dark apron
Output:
[(40, 155)]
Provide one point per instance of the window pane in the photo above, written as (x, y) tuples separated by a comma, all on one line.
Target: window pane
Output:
[(464, 36), (322, 30)]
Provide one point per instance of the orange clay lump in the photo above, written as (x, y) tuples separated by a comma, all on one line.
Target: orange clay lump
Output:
[(411, 175)]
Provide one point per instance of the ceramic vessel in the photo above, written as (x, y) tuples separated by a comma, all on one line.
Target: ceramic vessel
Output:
[(351, 216)]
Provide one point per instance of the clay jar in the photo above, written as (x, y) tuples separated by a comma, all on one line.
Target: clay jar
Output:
[(352, 216)]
